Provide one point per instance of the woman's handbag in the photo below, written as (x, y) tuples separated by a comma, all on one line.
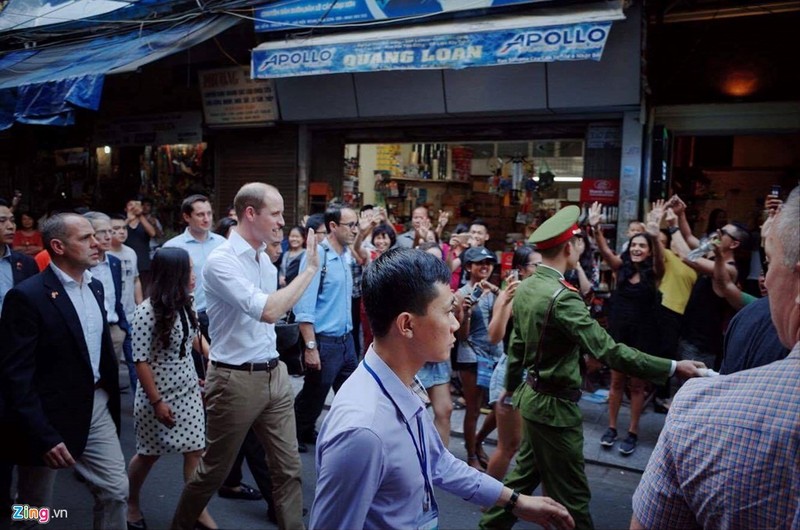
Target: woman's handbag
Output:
[(288, 343)]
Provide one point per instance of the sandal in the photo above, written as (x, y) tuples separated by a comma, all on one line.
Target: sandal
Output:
[(481, 455), (474, 461)]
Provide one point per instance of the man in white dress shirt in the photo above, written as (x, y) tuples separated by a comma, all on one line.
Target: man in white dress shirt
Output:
[(247, 386)]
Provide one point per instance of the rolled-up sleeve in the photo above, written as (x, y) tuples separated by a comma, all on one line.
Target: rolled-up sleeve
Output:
[(346, 485), (224, 278), (305, 309)]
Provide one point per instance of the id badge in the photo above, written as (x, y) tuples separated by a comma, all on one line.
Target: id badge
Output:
[(429, 520)]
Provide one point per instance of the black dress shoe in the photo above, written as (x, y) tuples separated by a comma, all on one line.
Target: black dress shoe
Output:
[(309, 438), (245, 492), (272, 517), (138, 525)]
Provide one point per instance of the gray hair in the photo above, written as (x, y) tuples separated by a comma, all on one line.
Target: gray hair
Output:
[(96, 216), (787, 230), (56, 227)]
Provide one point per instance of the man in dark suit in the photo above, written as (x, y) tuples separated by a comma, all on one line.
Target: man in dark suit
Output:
[(14, 267), (109, 271), (59, 376)]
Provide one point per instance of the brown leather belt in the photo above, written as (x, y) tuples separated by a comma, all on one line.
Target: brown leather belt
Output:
[(248, 367), (570, 394)]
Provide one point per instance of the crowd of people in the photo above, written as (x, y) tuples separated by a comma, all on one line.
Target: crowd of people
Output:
[(392, 323)]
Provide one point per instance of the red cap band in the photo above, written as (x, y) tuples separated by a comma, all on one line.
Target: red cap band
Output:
[(561, 238)]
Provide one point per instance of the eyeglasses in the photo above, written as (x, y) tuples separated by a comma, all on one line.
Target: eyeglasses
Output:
[(533, 264), (321, 233), (350, 225), (724, 232)]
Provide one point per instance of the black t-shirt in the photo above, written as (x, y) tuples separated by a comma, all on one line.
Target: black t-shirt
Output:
[(752, 339)]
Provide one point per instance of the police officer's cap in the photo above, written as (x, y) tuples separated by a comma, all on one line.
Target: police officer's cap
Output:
[(562, 227)]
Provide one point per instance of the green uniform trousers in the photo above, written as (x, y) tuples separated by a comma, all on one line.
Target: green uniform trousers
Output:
[(554, 457)]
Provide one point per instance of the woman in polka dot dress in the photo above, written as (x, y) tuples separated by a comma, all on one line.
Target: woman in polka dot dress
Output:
[(168, 409)]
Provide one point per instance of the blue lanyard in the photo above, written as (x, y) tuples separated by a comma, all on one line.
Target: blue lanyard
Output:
[(421, 449)]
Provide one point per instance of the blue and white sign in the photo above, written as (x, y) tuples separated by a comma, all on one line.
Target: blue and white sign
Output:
[(293, 14), (566, 42)]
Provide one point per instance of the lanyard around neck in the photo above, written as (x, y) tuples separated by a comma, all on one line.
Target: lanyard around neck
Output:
[(421, 449)]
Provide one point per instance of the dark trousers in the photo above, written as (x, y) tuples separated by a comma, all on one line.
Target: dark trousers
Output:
[(355, 312), (552, 456), (253, 451), (338, 358), (669, 323)]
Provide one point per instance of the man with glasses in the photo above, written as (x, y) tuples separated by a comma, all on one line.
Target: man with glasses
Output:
[(325, 316), (109, 271), (552, 325), (703, 319)]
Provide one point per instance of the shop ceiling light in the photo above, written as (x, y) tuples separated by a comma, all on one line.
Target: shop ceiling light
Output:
[(568, 179)]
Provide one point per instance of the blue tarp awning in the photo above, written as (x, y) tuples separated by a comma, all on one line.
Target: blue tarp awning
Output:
[(45, 85)]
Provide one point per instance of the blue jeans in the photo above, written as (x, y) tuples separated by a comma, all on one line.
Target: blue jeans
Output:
[(338, 358)]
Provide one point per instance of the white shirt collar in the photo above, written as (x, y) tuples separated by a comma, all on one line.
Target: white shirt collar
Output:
[(241, 246), (67, 279)]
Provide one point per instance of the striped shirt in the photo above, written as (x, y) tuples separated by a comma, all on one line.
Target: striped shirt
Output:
[(729, 454)]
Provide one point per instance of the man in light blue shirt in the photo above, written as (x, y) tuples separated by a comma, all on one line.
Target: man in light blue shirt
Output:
[(379, 415), (325, 316), (198, 240)]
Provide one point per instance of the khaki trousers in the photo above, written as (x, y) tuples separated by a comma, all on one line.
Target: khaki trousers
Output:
[(117, 338), (236, 401), (101, 464)]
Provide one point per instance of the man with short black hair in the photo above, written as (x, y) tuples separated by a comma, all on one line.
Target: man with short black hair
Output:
[(325, 317), (369, 473), (14, 268), (552, 326)]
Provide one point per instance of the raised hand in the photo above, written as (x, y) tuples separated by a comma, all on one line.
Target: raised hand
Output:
[(677, 205), (312, 257), (672, 219), (656, 212), (594, 214), (366, 221), (444, 218)]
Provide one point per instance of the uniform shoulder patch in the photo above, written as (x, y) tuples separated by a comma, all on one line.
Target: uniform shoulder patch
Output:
[(568, 285)]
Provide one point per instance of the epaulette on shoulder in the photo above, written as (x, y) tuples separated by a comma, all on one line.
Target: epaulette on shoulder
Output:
[(568, 285)]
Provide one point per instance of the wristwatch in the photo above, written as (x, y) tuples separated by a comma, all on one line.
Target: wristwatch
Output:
[(311, 345)]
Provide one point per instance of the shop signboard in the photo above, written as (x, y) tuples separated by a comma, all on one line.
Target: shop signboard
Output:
[(232, 99), (298, 14), (604, 191), (566, 42), (157, 129)]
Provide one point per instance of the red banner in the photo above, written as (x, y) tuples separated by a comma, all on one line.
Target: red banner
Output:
[(604, 191)]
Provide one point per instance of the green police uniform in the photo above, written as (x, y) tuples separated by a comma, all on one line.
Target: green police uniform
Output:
[(552, 421)]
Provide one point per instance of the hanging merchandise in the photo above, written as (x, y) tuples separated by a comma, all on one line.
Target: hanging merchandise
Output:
[(546, 176)]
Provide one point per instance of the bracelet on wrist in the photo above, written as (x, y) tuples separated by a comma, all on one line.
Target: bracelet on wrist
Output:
[(156, 402), (512, 502)]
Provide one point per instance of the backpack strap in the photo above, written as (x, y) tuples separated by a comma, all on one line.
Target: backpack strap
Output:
[(324, 269)]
